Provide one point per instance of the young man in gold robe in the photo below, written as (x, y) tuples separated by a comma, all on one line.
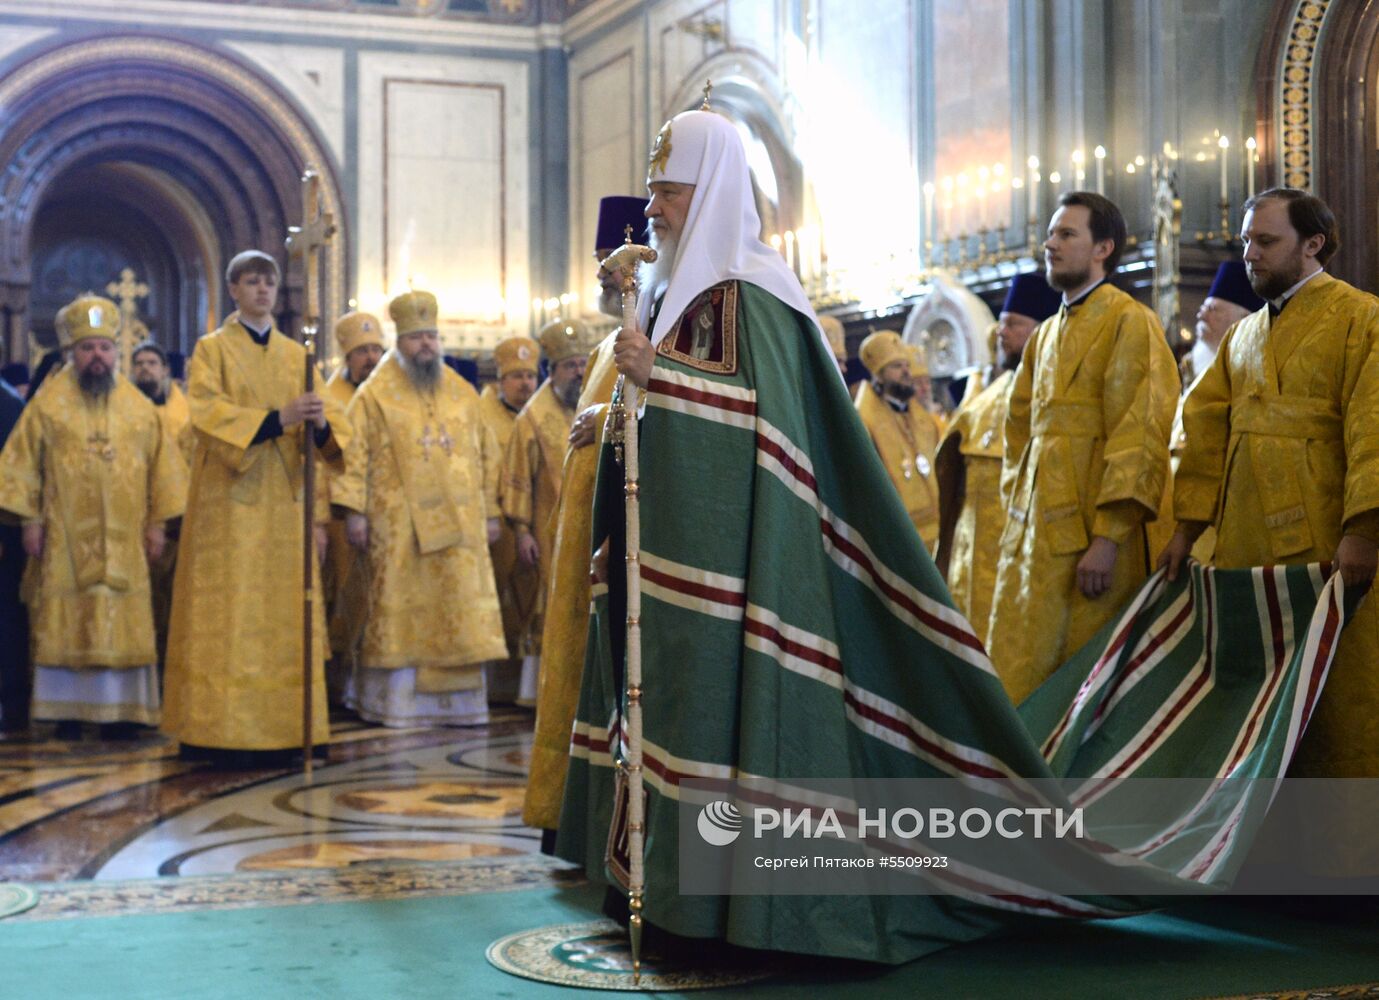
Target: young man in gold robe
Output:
[(905, 433), (94, 477), (565, 622), (968, 464), (359, 336), (518, 585), (1085, 460), (420, 486), (530, 487), (235, 651), (1280, 452)]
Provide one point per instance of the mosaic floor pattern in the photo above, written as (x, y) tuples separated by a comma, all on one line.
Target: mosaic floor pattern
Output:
[(120, 811)]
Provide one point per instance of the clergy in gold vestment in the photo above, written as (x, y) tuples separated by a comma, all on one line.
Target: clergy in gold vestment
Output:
[(234, 671), (92, 474), (359, 336), (149, 372), (530, 488), (905, 434), (837, 340), (565, 622), (1085, 460), (518, 584), (1281, 454), (421, 487), (969, 459)]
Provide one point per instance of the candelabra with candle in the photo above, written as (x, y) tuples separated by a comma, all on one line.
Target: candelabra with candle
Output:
[(1224, 234)]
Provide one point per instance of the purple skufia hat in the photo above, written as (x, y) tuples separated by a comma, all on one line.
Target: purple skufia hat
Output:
[(1232, 283), (616, 213), (1030, 295)]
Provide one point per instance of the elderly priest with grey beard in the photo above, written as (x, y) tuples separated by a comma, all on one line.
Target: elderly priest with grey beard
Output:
[(421, 486), (94, 477)]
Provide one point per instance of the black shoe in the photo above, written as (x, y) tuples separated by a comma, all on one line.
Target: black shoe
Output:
[(67, 729), (121, 732)]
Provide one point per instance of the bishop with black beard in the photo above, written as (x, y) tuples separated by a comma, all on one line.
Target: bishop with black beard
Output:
[(91, 473)]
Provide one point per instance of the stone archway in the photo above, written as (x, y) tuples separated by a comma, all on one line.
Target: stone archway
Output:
[(1318, 117), (163, 152), (748, 92)]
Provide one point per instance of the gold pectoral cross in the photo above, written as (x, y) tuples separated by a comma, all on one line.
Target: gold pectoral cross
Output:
[(100, 446), (443, 441)]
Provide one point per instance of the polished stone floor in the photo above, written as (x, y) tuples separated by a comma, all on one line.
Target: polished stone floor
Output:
[(132, 810)]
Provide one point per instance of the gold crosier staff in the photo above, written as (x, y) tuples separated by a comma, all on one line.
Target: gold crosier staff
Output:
[(623, 262), (306, 241)]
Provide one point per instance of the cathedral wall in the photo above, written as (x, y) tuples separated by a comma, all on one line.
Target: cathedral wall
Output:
[(435, 128)]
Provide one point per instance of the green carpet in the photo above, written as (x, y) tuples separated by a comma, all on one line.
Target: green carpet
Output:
[(434, 947)]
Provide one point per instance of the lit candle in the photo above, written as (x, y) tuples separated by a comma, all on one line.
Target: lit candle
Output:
[(928, 221), (1055, 179), (982, 175), (1250, 147), (1100, 154), (775, 244), (790, 249), (1225, 145), (1078, 175), (1032, 190)]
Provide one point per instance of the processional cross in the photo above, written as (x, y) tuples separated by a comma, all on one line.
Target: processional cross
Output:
[(306, 241), (129, 292)]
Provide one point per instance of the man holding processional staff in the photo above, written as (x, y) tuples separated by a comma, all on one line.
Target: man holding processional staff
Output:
[(234, 681)]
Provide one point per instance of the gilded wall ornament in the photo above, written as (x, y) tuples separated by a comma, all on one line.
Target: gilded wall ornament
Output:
[(1296, 99)]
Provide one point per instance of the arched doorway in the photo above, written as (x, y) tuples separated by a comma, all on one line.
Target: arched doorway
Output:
[(748, 93), (1319, 118), (154, 154)]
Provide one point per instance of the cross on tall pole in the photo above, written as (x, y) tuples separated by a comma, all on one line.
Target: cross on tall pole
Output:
[(306, 241), (128, 291)]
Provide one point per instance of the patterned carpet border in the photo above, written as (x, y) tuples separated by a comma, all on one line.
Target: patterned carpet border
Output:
[(1357, 991), (380, 880)]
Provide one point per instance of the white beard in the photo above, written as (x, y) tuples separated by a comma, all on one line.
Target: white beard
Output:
[(653, 278)]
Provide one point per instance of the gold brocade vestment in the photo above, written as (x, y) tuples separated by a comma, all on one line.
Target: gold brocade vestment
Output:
[(565, 626), (95, 473), (423, 468), (972, 518), (906, 441), (1281, 454), (1085, 455), (176, 417), (234, 671), (518, 585), (345, 576), (530, 488)]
